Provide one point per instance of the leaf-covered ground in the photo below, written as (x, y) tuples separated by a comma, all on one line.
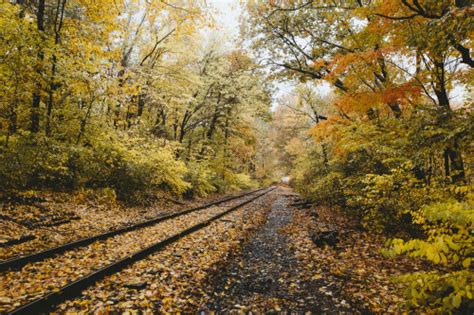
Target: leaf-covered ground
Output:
[(354, 269), (39, 278), (260, 258), (269, 277), (55, 219), (172, 280)]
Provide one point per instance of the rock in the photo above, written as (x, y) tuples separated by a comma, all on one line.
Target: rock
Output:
[(136, 285), (302, 204), (314, 214), (329, 237), (261, 285), (152, 271)]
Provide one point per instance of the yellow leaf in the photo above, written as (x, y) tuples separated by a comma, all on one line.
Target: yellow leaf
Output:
[(466, 263), (316, 277)]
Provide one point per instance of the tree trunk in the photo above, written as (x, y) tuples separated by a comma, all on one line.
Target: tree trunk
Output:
[(84, 122), (226, 138), (141, 104), (446, 163), (457, 165), (325, 155), (35, 104), (190, 146), (12, 115), (182, 127), (453, 163), (58, 24), (52, 87), (35, 111), (212, 126)]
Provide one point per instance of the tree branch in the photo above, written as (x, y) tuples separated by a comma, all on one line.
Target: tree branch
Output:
[(465, 54), (397, 18), (159, 41)]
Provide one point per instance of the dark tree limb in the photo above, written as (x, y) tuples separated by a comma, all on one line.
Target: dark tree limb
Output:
[(465, 54)]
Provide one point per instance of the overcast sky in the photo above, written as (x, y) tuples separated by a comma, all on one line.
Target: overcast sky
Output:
[(227, 15)]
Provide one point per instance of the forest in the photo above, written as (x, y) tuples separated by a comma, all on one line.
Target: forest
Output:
[(365, 105)]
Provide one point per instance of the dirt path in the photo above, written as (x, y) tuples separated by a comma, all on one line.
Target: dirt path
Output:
[(267, 276)]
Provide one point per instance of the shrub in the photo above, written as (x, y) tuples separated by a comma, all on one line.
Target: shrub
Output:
[(450, 244), (132, 168), (387, 201), (32, 162), (199, 175)]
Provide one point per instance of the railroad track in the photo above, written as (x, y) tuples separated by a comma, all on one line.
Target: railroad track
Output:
[(190, 220), (18, 262)]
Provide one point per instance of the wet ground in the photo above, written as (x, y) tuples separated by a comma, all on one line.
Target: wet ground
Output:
[(267, 276)]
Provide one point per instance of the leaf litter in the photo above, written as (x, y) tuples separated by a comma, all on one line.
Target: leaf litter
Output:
[(39, 278), (259, 258), (355, 268), (173, 279), (58, 218)]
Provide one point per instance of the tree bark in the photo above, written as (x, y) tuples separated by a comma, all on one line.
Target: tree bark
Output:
[(446, 164), (453, 163), (84, 122), (58, 24), (182, 127), (215, 118), (457, 165), (35, 104), (226, 137), (141, 104)]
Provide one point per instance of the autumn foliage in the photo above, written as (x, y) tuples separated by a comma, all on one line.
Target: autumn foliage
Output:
[(142, 98), (392, 146), (126, 95)]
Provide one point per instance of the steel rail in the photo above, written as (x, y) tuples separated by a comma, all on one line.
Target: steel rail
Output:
[(18, 262), (47, 302)]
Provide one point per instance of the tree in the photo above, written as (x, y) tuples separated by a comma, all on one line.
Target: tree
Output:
[(378, 63), (395, 140), (90, 87)]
